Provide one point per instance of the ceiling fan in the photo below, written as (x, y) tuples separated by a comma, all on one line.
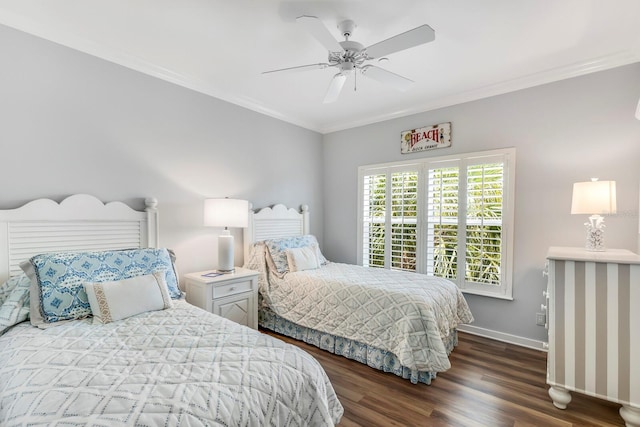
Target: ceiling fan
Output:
[(350, 56)]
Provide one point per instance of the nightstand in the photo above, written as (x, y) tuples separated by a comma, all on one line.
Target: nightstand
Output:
[(233, 296)]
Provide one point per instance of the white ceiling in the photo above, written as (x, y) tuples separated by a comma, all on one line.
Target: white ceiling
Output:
[(220, 47)]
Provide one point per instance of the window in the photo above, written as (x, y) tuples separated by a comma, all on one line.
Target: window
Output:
[(390, 225), (450, 217)]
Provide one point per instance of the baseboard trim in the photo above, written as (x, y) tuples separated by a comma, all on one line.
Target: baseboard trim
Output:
[(501, 336)]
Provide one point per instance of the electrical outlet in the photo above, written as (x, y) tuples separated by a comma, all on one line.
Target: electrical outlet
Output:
[(541, 319)]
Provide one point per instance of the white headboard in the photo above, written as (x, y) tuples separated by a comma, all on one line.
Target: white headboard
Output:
[(79, 222), (272, 223)]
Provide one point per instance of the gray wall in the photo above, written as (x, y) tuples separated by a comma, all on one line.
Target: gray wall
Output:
[(563, 132), (72, 123)]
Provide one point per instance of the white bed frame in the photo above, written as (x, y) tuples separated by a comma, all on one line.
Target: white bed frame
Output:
[(273, 223), (79, 222)]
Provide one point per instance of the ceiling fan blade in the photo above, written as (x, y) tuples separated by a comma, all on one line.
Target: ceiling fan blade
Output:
[(335, 87), (387, 77), (317, 29), (299, 68), (417, 36)]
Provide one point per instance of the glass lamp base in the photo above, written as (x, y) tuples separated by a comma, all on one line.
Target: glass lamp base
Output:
[(595, 238)]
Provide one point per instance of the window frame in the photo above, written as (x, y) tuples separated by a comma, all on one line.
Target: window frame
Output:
[(507, 156), (388, 171)]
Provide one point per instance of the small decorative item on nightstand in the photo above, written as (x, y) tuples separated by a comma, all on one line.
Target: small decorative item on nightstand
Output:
[(233, 296)]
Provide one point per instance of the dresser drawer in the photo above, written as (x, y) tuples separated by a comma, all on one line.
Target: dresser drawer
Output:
[(231, 289)]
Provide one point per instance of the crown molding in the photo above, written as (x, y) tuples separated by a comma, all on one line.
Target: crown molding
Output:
[(124, 59), (602, 63)]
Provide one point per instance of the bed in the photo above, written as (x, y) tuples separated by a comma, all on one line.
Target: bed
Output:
[(175, 365), (399, 322)]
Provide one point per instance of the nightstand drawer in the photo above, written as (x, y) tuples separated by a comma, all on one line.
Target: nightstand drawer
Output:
[(231, 289)]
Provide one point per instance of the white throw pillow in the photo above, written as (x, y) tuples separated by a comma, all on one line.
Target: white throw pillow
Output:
[(111, 301), (305, 258)]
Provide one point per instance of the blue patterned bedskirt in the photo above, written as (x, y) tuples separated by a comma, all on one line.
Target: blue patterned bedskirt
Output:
[(363, 353)]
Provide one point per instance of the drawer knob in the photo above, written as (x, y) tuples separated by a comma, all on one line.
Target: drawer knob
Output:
[(545, 294), (233, 288), (543, 307)]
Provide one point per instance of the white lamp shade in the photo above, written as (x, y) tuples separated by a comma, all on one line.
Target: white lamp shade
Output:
[(594, 198), (232, 213)]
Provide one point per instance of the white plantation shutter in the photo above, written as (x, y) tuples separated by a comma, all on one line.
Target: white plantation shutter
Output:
[(373, 220), (404, 203), (442, 222), (389, 218), (485, 186), (450, 217)]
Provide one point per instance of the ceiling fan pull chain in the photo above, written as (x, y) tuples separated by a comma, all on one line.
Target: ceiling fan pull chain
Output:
[(355, 80)]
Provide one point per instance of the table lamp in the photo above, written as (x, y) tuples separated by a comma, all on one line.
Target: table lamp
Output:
[(226, 213), (594, 198)]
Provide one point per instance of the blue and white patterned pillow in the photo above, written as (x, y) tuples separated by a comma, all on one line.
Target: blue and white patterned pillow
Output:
[(59, 278), (278, 250), (14, 307)]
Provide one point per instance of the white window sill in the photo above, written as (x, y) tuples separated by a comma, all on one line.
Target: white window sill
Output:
[(487, 294)]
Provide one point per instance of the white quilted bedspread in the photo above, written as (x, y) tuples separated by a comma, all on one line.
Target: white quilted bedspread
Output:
[(180, 366), (405, 313)]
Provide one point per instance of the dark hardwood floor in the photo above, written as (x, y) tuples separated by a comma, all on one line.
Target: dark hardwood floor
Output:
[(490, 383)]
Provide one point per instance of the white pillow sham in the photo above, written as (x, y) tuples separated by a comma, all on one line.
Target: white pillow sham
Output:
[(117, 300), (304, 258)]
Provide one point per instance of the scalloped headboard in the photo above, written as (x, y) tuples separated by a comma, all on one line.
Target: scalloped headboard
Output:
[(275, 222), (79, 222)]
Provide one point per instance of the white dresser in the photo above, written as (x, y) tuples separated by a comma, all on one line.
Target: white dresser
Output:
[(233, 296), (594, 327)]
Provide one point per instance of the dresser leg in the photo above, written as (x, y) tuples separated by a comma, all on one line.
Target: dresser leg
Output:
[(560, 396), (631, 416)]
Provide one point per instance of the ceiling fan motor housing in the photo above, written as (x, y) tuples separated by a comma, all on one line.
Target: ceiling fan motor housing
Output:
[(353, 53), (349, 45)]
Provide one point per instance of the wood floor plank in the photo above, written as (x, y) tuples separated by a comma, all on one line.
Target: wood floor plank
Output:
[(490, 383)]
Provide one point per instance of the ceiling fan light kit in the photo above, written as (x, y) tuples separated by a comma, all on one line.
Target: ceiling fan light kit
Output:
[(349, 56)]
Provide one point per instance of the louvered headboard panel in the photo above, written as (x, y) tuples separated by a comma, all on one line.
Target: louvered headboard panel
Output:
[(272, 223), (78, 223)]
